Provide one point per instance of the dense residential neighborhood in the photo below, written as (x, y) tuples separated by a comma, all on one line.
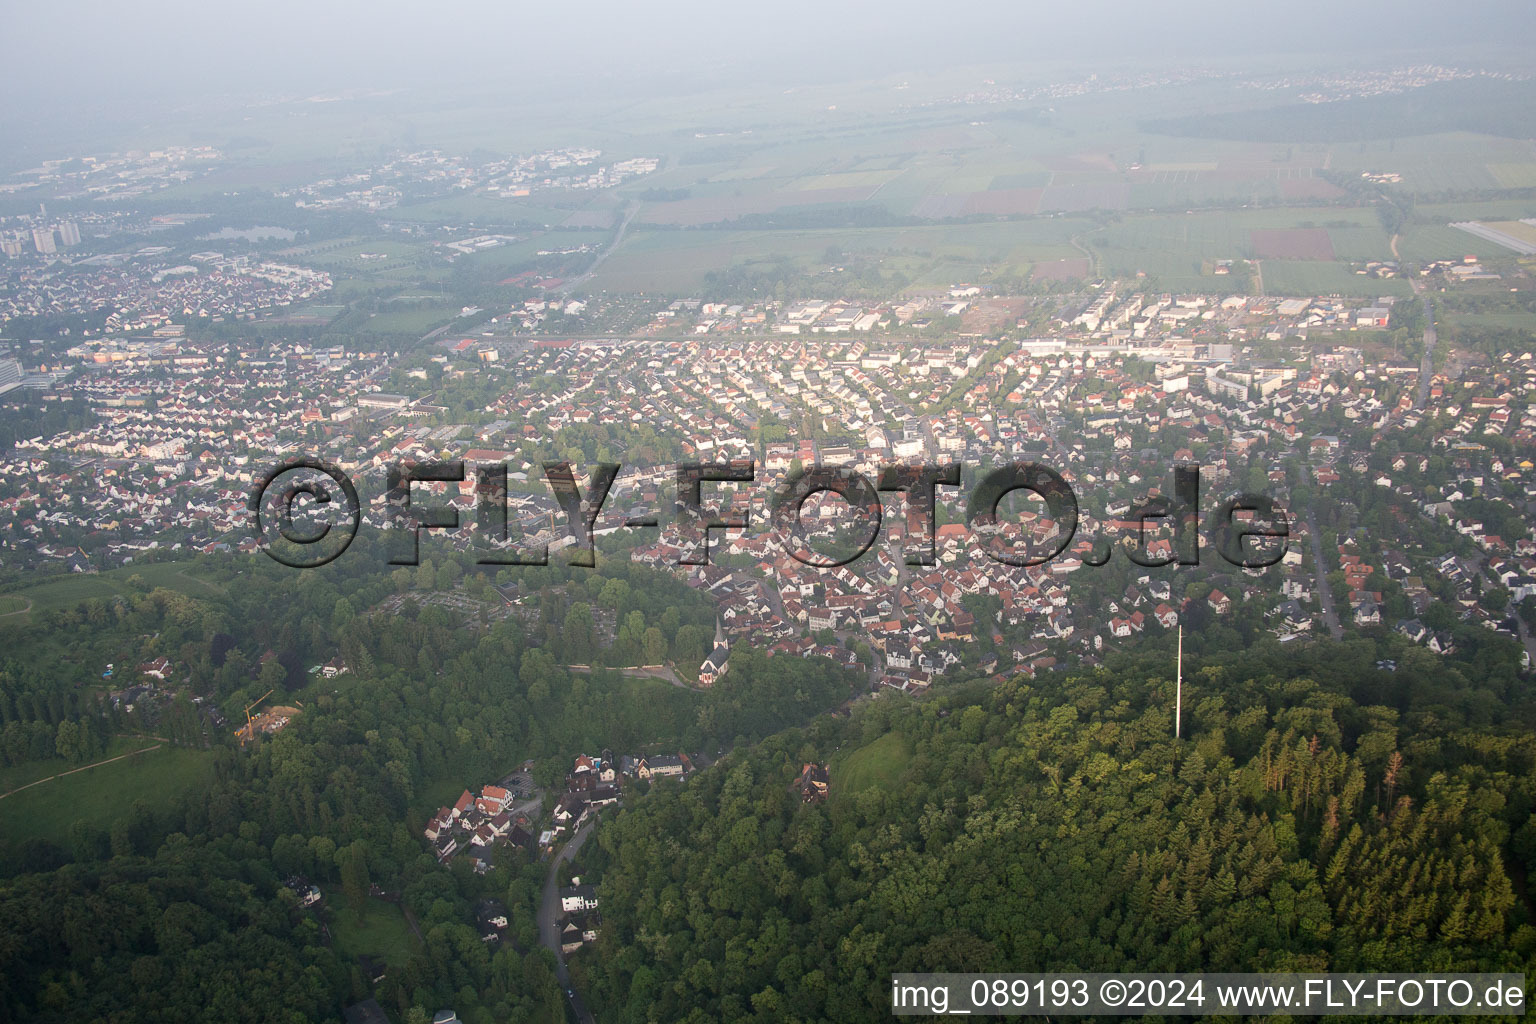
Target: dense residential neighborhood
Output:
[(1128, 388)]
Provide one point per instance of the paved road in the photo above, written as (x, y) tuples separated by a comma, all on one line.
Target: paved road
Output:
[(434, 334), (1324, 591), (529, 808), (1525, 634), (618, 237), (1088, 251), (1427, 364), (549, 907)]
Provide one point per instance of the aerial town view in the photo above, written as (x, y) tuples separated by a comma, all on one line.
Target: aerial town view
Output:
[(800, 514)]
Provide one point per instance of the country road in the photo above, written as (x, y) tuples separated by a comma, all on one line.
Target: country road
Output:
[(574, 283), (1427, 363), (1324, 591), (1431, 336), (549, 908), (1089, 252)]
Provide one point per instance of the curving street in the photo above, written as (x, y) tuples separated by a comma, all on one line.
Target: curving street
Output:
[(549, 915)]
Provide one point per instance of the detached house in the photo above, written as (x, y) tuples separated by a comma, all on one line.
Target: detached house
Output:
[(812, 783), (578, 898), (665, 766)]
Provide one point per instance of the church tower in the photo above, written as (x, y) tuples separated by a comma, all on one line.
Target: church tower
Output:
[(718, 661)]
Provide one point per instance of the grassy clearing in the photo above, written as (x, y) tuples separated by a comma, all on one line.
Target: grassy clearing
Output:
[(411, 321), (68, 591), (1521, 175), (878, 764), (102, 794), (1423, 243), (677, 261), (1305, 278), (382, 932), (440, 793), (31, 771), (1514, 320)]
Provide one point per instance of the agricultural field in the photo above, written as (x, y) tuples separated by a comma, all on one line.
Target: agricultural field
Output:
[(1155, 243), (1514, 237), (693, 212), (930, 256), (1178, 250), (1292, 244), (1019, 167), (1318, 277), (1360, 244), (1137, 198), (483, 212), (1062, 270), (1425, 243), (1487, 210), (1445, 173), (1517, 229), (1440, 163), (1520, 175)]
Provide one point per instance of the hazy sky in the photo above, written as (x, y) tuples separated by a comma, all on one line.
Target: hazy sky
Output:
[(74, 55)]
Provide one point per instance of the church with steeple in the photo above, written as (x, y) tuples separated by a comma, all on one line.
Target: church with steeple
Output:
[(719, 659)]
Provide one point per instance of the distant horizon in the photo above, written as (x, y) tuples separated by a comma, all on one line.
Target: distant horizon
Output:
[(418, 110), (102, 64)]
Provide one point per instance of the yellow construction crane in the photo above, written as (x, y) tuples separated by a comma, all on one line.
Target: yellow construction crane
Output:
[(250, 731)]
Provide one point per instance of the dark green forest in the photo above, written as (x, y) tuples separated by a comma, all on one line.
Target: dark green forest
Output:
[(1320, 812), (1318, 815), (185, 899)]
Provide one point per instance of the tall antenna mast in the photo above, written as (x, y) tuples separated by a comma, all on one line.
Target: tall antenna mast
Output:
[(1178, 687)]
